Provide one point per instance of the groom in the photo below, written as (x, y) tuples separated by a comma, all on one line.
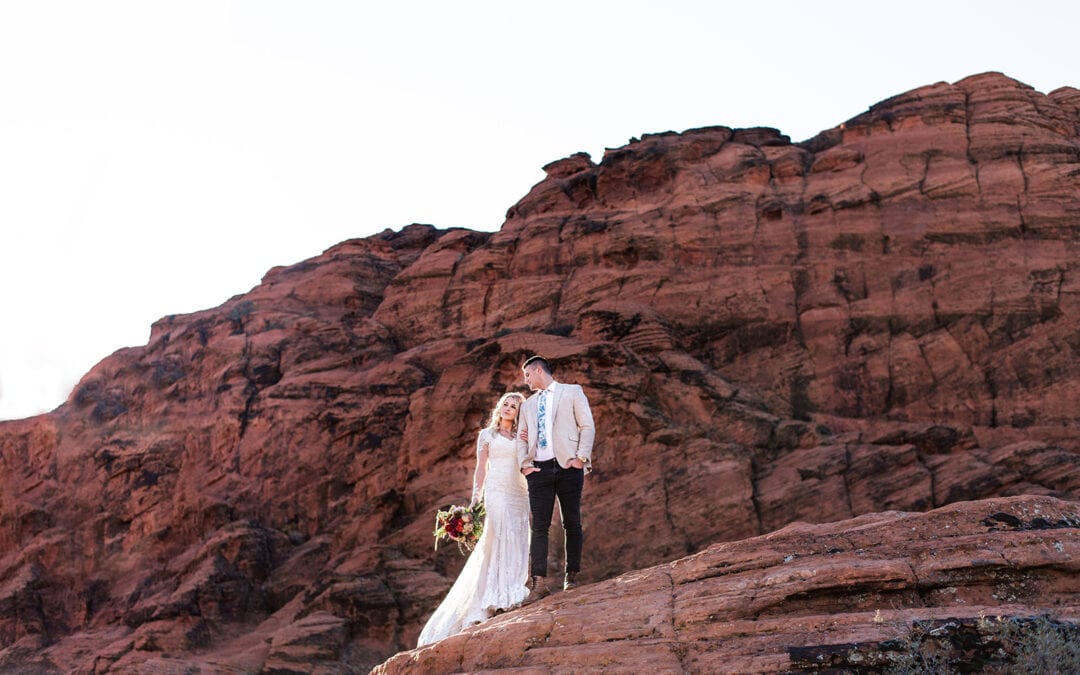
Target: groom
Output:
[(555, 450)]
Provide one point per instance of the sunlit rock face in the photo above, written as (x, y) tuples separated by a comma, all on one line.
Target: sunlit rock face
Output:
[(881, 318), (836, 597)]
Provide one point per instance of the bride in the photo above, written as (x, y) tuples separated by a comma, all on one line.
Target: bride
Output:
[(494, 576)]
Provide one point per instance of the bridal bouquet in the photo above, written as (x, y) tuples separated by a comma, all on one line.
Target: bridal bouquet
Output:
[(461, 524)]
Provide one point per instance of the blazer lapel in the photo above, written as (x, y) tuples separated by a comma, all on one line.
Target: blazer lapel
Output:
[(555, 396)]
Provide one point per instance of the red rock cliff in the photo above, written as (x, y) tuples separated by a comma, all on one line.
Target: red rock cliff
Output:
[(883, 317)]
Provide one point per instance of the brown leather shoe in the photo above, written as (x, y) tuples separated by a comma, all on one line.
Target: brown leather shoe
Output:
[(570, 581), (538, 589)]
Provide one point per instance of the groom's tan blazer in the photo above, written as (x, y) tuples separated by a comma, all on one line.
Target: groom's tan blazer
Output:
[(572, 430)]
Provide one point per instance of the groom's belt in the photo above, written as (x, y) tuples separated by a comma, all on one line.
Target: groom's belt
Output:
[(546, 462)]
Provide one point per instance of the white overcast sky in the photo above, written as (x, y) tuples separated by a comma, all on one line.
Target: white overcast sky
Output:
[(158, 158)]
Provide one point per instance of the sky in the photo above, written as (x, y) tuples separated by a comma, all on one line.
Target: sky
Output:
[(157, 158)]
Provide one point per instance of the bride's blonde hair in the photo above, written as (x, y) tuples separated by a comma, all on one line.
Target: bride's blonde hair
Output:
[(493, 423)]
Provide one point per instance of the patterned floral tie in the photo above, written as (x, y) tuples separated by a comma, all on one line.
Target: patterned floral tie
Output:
[(541, 421)]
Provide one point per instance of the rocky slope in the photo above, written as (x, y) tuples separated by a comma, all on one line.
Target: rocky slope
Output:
[(881, 318), (806, 598)]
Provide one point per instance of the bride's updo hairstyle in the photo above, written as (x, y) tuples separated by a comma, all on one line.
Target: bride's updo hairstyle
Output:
[(493, 423)]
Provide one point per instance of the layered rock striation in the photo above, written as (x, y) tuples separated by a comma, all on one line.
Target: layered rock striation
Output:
[(882, 318), (840, 597)]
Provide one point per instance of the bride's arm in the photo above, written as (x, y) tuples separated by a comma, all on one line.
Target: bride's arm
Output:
[(480, 473)]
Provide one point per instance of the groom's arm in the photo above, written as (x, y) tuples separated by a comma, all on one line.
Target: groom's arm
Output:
[(586, 430)]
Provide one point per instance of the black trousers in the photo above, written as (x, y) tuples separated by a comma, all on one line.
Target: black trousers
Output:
[(545, 485)]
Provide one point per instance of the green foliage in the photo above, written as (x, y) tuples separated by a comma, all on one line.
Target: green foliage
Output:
[(922, 652), (1019, 645), (1039, 645)]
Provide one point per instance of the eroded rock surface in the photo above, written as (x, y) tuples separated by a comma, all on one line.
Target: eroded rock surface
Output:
[(801, 599)]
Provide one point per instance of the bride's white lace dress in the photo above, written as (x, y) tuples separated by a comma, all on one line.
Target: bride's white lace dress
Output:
[(495, 574)]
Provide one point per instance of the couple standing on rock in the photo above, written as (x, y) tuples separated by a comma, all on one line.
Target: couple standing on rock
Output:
[(531, 452)]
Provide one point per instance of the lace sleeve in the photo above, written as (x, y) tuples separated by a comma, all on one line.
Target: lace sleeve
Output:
[(480, 473)]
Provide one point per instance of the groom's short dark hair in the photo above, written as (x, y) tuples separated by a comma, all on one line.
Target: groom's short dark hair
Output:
[(537, 359)]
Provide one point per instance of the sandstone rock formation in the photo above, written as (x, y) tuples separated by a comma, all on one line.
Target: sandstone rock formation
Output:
[(881, 318), (806, 598)]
